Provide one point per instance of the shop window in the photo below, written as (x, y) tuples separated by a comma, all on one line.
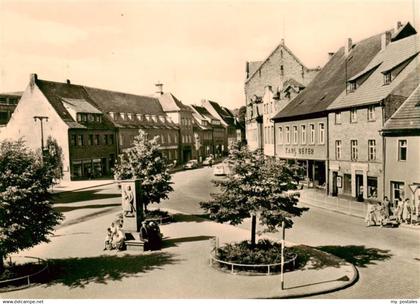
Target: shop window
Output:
[(371, 149), (372, 187), (80, 140), (397, 191), (90, 139), (402, 150)]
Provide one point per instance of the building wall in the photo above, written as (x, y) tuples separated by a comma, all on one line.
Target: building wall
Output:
[(22, 124), (280, 66), (362, 131), (407, 172), (7, 106)]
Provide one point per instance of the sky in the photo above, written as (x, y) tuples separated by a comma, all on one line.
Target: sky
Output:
[(197, 49)]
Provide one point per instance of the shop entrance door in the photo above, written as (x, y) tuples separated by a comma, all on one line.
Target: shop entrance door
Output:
[(359, 187), (334, 184)]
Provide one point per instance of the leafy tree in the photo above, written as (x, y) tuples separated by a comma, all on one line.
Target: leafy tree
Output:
[(258, 187), (144, 161), (53, 158), (26, 214)]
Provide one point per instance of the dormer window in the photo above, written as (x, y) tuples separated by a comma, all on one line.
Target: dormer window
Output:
[(90, 117), (112, 114), (352, 86), (122, 115), (130, 116), (98, 118), (387, 78)]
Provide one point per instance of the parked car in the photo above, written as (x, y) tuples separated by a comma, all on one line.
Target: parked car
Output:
[(219, 169), (191, 164), (209, 160)]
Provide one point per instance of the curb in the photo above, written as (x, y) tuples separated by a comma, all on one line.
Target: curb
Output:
[(84, 188)]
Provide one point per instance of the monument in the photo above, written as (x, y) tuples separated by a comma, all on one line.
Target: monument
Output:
[(132, 205)]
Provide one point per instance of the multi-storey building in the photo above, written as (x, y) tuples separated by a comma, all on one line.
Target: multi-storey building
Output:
[(356, 149), (218, 134), (280, 66), (301, 127), (181, 115), (203, 136), (8, 103), (401, 135), (91, 125)]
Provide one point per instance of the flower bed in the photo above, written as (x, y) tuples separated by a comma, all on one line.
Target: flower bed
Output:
[(264, 257)]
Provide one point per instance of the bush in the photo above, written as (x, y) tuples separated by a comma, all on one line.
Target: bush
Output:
[(264, 252)]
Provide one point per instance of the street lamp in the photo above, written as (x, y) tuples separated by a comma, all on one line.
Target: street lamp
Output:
[(41, 119)]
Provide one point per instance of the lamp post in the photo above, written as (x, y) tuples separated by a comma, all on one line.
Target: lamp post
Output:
[(41, 119)]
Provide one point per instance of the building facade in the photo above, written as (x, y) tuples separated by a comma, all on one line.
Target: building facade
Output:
[(401, 135), (281, 65)]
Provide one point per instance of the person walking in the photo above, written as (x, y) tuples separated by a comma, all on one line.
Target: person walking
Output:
[(386, 208), (370, 215), (406, 212), (400, 207)]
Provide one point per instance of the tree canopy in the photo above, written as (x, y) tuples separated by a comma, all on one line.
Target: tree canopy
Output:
[(26, 214), (145, 162), (53, 158), (258, 187)]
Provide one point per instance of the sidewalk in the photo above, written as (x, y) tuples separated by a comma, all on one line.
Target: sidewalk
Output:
[(180, 270), (65, 186), (318, 198)]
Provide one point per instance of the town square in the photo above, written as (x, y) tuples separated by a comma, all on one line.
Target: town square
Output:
[(292, 170)]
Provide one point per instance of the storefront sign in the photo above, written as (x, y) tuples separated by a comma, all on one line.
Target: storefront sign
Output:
[(300, 151)]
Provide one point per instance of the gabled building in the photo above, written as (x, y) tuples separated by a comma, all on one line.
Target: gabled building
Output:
[(279, 67), (401, 135), (356, 149), (228, 120), (91, 125), (8, 103), (301, 127), (213, 142), (181, 115)]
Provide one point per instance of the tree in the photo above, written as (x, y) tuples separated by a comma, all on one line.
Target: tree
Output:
[(258, 187), (144, 161), (26, 214), (53, 158)]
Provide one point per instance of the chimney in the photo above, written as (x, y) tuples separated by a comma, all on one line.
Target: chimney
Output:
[(330, 55), (68, 81), (282, 41), (348, 46), (385, 39), (159, 88), (399, 25), (247, 69), (32, 79)]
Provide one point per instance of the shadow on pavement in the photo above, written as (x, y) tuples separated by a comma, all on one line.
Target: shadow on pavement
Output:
[(88, 217), (173, 242), (79, 272), (69, 208), (198, 218), (81, 196), (359, 256)]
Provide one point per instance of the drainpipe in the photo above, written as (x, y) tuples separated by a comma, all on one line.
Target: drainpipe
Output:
[(383, 150)]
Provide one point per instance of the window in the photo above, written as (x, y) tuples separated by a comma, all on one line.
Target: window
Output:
[(281, 70), (280, 141), (272, 134), (372, 187), (73, 140), (90, 139), (287, 135), (112, 114), (371, 149), (295, 135), (162, 137), (371, 113), (338, 149), (387, 78), (111, 139), (96, 141), (79, 117), (397, 191), (354, 150), (321, 134), (106, 139), (90, 117), (353, 115), (130, 116), (80, 140), (337, 118), (303, 134), (122, 115), (312, 130), (169, 138), (138, 116), (83, 117), (402, 150)]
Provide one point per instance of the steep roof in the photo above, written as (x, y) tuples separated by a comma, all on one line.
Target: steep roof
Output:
[(257, 65), (224, 114), (172, 104), (373, 89), (105, 101), (330, 82), (80, 105), (203, 112), (407, 117)]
